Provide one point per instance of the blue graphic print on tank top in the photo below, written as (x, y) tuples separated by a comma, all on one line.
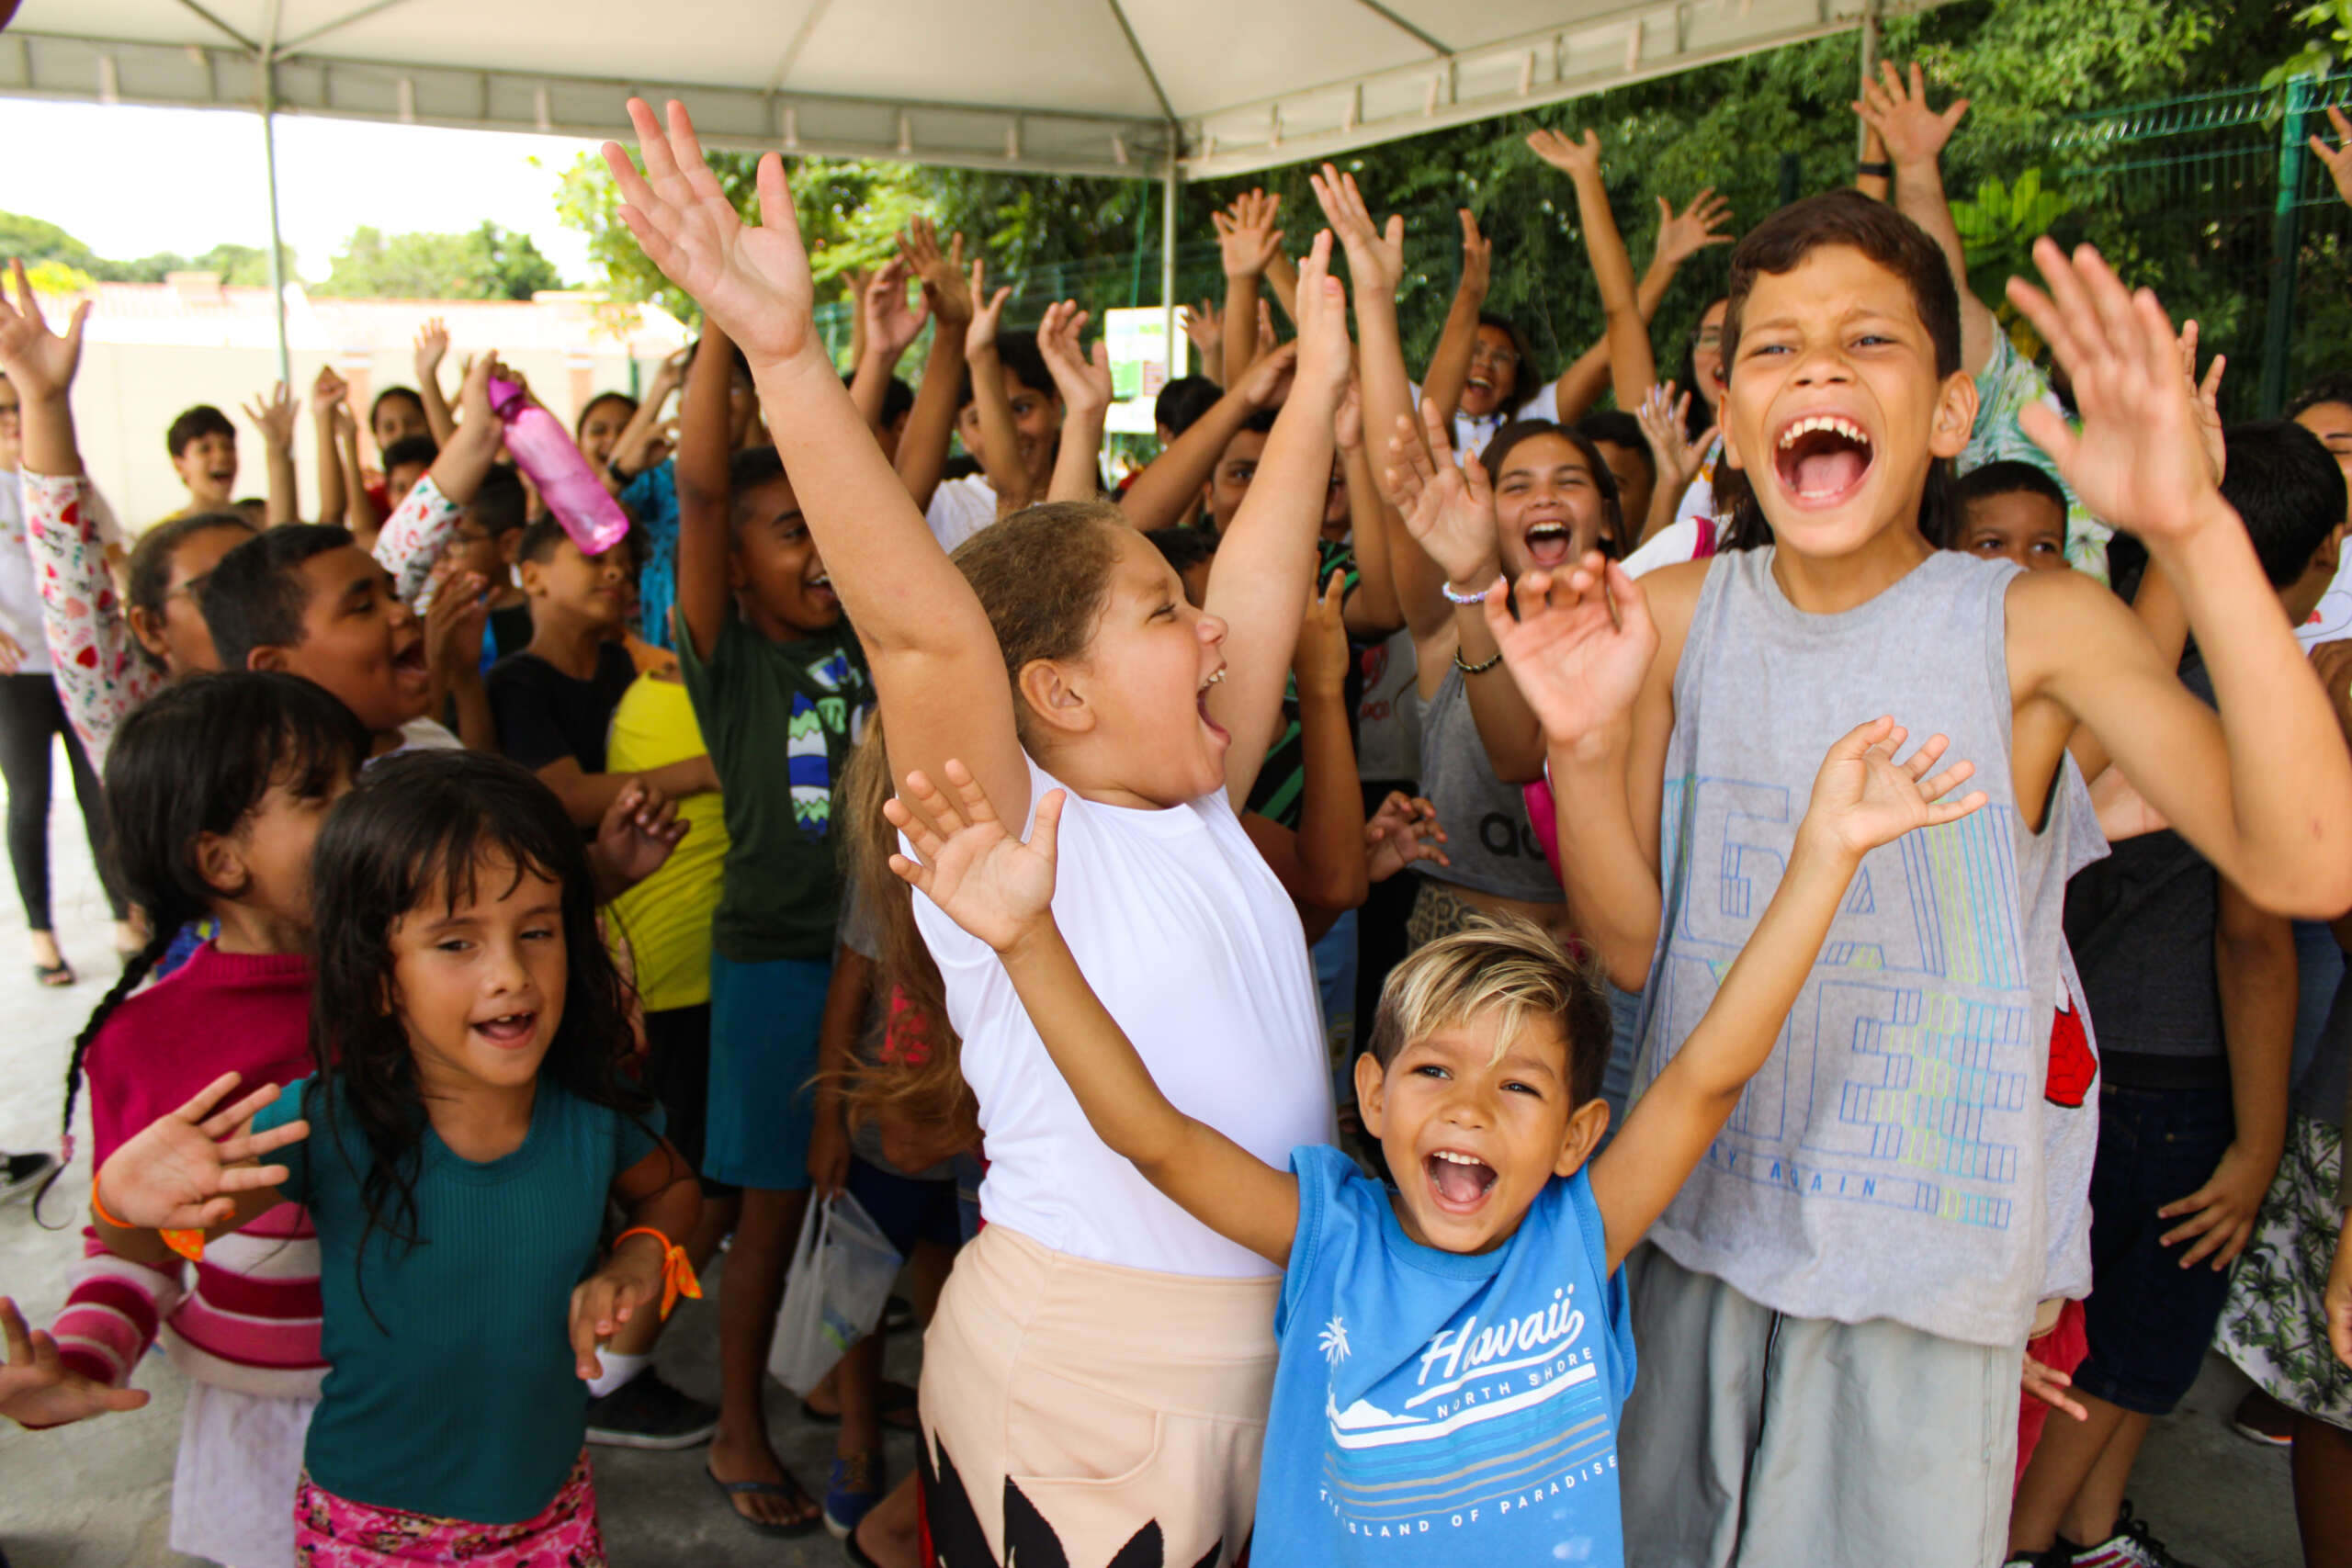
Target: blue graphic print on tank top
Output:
[(1428, 1405)]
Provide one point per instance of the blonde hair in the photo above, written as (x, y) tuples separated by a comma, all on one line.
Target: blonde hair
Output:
[(1506, 963)]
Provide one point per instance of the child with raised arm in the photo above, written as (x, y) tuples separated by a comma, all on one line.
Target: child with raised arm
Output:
[(1101, 1360), (1877, 1212), (1455, 1350)]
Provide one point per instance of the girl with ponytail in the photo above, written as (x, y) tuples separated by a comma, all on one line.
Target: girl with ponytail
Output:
[(216, 786)]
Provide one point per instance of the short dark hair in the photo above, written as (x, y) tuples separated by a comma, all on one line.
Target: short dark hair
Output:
[(2011, 476), (148, 576), (419, 450), (1183, 400), (1184, 547), (1619, 429), (746, 471), (2285, 483), (194, 425), (1845, 217), (255, 598), (2333, 388), (581, 425), (387, 395), (540, 539), (897, 400), (501, 504)]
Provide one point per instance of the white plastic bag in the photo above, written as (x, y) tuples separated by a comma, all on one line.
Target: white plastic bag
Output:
[(842, 1270)]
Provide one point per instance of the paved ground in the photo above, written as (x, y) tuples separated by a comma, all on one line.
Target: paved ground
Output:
[(99, 1496)]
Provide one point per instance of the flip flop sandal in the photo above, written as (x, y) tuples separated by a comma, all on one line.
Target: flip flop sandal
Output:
[(788, 1490), (56, 977), (899, 1410)]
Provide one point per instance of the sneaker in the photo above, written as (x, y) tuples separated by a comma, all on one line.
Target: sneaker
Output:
[(2262, 1419), (645, 1413), (20, 1174), (855, 1486), (2130, 1547)]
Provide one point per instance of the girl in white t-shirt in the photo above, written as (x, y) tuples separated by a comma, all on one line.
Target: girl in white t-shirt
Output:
[(1101, 1363)]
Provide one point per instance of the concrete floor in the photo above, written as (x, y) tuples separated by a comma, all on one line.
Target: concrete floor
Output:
[(99, 1496)]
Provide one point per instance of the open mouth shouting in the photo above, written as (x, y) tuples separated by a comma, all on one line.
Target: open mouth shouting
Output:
[(1822, 459), (1459, 1183), (1202, 700), (1550, 541), (410, 665)]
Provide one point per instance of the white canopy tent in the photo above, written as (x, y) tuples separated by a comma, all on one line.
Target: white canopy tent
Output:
[(1142, 89)]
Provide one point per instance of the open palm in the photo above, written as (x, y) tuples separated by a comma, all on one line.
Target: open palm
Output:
[(752, 279), (183, 1170), (1375, 252), (969, 864), (1448, 508), (1863, 797), (39, 362), (1580, 648)]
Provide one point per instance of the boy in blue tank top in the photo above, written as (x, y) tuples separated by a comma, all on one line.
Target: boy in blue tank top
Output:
[(1454, 1350), (1834, 1309)]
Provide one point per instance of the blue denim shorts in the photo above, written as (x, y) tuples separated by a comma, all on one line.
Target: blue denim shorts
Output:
[(2148, 1319)]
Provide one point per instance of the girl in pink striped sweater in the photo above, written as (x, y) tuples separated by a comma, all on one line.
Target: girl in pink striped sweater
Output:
[(216, 786)]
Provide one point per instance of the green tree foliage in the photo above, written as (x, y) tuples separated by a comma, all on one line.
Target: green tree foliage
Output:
[(39, 242), (488, 263)]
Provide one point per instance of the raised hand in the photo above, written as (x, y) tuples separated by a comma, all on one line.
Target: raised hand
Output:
[(1665, 425), (610, 1297), (1449, 508), (473, 397), (1204, 324), (1405, 829), (1576, 158), (1580, 648), (968, 863), (454, 613), (1246, 236), (1326, 356), (1478, 257), (2337, 158), (1267, 381), (37, 1389), (40, 362), (1375, 255), (979, 335), (328, 390), (2137, 459), (1898, 111), (1319, 662), (182, 1170), (752, 278), (1083, 381), (1681, 236), (667, 377), (890, 322), (1347, 419), (273, 416), (432, 343), (2209, 400), (941, 272), (1863, 797)]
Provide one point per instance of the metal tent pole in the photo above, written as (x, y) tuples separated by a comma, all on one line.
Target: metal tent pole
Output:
[(1870, 68), (277, 245), (1176, 364)]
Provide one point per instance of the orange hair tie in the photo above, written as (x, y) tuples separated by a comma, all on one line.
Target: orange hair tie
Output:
[(678, 1270), (188, 1243)]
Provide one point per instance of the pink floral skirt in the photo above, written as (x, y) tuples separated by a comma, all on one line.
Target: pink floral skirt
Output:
[(335, 1532)]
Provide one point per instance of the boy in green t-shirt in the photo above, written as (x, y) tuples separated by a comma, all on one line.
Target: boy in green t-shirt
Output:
[(780, 688)]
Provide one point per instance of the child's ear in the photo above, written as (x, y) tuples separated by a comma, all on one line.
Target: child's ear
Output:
[(1372, 1086), (1587, 1122), (1955, 416), (147, 628), (1045, 686), (220, 862), (510, 545), (267, 657), (527, 574)]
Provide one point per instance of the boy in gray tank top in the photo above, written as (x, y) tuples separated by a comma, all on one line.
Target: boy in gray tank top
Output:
[(1832, 1319)]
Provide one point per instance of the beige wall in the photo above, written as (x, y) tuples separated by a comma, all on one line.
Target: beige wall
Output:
[(128, 394)]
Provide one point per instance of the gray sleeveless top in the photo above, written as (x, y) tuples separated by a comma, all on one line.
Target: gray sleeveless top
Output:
[(1892, 1157), (1487, 835)]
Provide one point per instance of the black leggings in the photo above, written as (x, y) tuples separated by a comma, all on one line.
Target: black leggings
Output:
[(30, 714)]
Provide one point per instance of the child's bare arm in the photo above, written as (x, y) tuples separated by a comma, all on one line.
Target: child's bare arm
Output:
[(1248, 242), (1085, 385), (1371, 609), (933, 654), (923, 445), (2264, 789), (1680, 236), (1000, 441), (1170, 482), (1862, 798), (1330, 806), (1001, 891), (1449, 368), (432, 344), (1632, 365), (273, 416), (1915, 137), (1266, 562), (658, 1193), (700, 469)]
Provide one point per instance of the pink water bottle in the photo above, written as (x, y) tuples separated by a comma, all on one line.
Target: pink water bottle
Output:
[(543, 450)]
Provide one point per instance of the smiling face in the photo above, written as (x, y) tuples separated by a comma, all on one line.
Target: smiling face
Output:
[(1473, 1124), (1548, 506), (207, 466), (601, 426), (1494, 373), (358, 641), (396, 418), (1036, 420), (480, 981), (587, 590), (1128, 720), (1835, 409), (774, 567), (2018, 525)]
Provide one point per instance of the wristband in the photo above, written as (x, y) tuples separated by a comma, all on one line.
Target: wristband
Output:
[(677, 1271), (1455, 596), (188, 1244), (1481, 667), (1880, 171)]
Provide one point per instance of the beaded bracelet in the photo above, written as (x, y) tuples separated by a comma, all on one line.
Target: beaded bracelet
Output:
[(1481, 667), (677, 1269), (1457, 596)]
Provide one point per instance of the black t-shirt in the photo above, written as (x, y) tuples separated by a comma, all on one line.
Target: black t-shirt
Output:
[(544, 715)]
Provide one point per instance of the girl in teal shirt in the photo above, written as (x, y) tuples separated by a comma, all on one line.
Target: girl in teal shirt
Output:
[(457, 1146)]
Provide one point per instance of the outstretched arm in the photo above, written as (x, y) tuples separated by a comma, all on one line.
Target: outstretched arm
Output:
[(273, 416), (431, 346), (1915, 137), (1001, 890), (1169, 483), (1085, 385), (931, 423), (1862, 798), (999, 440), (1680, 236), (1449, 369), (328, 393), (933, 655), (887, 326), (1248, 242), (1632, 365)]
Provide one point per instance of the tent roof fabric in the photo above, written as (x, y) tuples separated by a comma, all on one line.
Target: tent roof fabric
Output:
[(1073, 86)]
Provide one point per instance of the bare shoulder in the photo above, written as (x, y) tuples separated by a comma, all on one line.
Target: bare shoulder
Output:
[(1673, 595), (2062, 624)]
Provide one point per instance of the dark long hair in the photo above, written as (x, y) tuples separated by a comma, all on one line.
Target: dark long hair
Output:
[(196, 759), (1612, 541), (432, 829)]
